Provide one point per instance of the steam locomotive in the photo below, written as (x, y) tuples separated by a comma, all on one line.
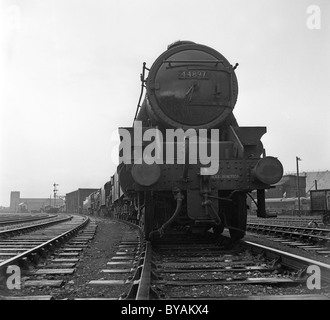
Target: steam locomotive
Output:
[(185, 164)]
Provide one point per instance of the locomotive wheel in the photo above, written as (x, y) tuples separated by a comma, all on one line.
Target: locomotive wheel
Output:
[(149, 213), (219, 229), (236, 234)]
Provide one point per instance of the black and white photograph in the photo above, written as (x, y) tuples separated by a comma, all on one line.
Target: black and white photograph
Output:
[(171, 152)]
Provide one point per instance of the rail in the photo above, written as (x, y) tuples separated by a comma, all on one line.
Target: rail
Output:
[(42, 246)]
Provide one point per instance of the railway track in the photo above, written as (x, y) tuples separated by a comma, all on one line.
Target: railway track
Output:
[(305, 221), (174, 269), (204, 270), (306, 238), (20, 228), (43, 249), (288, 220), (209, 271), (14, 219), (21, 223)]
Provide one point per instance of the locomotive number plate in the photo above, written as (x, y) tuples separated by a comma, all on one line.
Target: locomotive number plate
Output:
[(194, 74)]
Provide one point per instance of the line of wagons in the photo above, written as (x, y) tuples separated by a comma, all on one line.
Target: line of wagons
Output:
[(110, 201)]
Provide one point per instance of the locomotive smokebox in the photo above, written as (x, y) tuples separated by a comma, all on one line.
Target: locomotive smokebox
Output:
[(189, 86)]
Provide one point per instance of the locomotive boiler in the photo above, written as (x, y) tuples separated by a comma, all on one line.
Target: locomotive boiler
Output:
[(186, 166)]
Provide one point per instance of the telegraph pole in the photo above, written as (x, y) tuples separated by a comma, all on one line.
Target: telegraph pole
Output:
[(298, 187), (55, 190)]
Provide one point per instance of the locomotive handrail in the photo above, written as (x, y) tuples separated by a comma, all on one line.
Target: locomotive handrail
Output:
[(198, 63), (142, 76), (193, 61)]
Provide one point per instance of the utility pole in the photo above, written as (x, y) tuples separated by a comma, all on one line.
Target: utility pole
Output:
[(298, 187), (55, 190)]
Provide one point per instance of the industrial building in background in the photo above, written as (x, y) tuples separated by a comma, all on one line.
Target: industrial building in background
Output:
[(309, 194), (287, 187), (18, 204)]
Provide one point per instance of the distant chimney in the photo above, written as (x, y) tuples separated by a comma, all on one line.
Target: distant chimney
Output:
[(14, 201)]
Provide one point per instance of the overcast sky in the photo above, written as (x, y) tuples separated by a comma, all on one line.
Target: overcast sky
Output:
[(69, 77)]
